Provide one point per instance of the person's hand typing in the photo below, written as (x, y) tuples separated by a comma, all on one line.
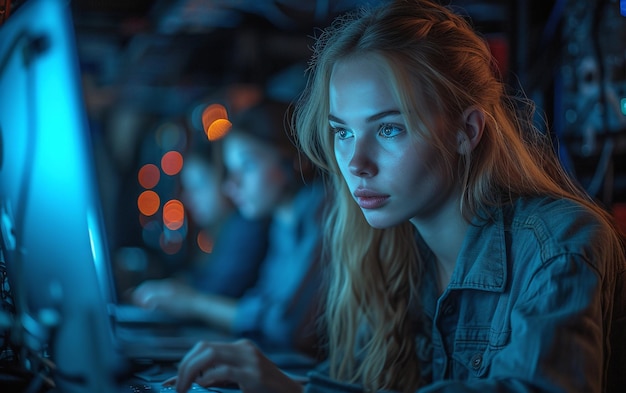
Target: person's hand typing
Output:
[(167, 295), (240, 363)]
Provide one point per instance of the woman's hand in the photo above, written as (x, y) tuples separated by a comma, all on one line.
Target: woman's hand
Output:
[(240, 362)]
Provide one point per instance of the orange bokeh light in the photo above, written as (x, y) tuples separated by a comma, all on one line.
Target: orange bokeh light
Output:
[(205, 241), (172, 162), (218, 129), (173, 214), (211, 113), (148, 202), (149, 176), (215, 121)]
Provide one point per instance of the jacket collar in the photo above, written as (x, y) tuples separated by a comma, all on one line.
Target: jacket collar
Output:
[(482, 261)]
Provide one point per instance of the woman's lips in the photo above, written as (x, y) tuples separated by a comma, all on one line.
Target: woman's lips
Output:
[(369, 199)]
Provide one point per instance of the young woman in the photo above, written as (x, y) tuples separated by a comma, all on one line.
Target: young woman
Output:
[(463, 259), (227, 269), (265, 178)]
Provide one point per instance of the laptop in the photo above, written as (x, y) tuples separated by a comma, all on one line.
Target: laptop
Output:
[(51, 227)]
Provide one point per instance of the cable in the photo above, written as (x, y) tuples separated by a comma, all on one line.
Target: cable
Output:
[(601, 169)]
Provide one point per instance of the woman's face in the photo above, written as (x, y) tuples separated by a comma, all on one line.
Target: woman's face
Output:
[(256, 181), (202, 193), (389, 172)]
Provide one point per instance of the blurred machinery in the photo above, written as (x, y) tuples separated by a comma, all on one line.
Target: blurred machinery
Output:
[(590, 95)]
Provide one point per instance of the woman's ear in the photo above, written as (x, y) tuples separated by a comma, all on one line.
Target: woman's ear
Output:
[(469, 137)]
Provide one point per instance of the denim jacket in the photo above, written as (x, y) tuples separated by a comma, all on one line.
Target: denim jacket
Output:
[(530, 307)]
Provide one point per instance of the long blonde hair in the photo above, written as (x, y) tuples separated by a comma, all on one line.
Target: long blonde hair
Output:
[(436, 64)]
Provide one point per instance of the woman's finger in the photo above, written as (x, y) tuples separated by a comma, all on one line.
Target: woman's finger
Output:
[(219, 375), (198, 359), (239, 353), (240, 363), (169, 382)]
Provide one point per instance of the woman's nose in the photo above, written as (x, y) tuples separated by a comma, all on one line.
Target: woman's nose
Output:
[(362, 162)]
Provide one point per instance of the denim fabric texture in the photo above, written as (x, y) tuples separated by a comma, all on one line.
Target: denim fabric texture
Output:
[(531, 307)]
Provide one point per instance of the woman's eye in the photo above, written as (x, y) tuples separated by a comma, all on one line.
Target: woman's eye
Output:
[(389, 130), (341, 133)]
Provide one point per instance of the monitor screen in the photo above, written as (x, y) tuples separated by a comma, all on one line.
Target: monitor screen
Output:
[(51, 226)]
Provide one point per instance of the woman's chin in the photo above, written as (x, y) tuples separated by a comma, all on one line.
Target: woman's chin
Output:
[(380, 221)]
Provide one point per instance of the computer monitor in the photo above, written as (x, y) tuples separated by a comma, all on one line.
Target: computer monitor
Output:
[(50, 217)]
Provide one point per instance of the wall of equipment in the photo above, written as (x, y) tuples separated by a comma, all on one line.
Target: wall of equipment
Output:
[(590, 95)]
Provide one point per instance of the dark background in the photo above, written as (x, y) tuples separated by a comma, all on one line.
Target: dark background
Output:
[(149, 65)]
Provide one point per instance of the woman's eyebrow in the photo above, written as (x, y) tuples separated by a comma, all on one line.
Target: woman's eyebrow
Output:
[(372, 118)]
